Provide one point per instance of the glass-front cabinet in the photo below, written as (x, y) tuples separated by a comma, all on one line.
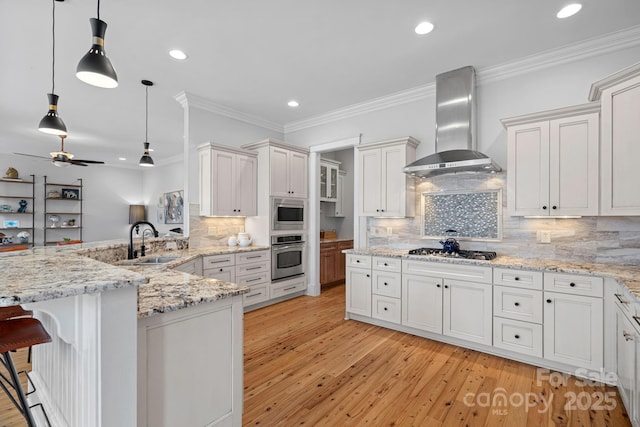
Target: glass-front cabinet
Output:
[(329, 180)]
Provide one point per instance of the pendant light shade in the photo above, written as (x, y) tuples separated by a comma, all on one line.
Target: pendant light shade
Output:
[(95, 68), (146, 159), (51, 123)]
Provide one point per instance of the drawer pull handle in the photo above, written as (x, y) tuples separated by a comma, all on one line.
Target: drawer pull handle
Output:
[(549, 301), (289, 288), (254, 256), (516, 336), (254, 295), (627, 336), (572, 284), (620, 299), (637, 319), (516, 278), (516, 304), (218, 262), (254, 280), (254, 268)]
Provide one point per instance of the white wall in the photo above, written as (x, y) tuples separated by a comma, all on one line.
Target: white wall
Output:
[(108, 191), (162, 178)]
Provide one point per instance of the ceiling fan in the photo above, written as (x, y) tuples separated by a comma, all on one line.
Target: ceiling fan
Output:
[(62, 158)]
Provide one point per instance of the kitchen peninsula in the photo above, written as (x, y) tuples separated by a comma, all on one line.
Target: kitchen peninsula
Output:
[(122, 334)]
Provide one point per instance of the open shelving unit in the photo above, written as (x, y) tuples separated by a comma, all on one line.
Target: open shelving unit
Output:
[(64, 202), (12, 191)]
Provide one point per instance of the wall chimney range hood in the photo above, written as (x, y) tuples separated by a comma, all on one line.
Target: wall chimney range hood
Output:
[(455, 129)]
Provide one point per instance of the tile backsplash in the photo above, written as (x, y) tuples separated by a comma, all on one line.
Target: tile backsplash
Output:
[(614, 240), (209, 231)]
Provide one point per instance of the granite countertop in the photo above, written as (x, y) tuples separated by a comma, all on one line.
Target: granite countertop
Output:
[(627, 275), (45, 273)]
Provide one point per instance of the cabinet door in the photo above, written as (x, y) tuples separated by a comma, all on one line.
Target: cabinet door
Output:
[(528, 170), (370, 183), (573, 165), (324, 178), (333, 183), (205, 181), (226, 274), (573, 330), (422, 302), (467, 311), (625, 359), (620, 149), (328, 263), (394, 182), (223, 175), (278, 164), (359, 291), (298, 174), (246, 182), (340, 202)]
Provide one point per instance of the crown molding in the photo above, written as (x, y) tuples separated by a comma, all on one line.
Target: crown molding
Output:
[(611, 80), (612, 42), (188, 100), (558, 113)]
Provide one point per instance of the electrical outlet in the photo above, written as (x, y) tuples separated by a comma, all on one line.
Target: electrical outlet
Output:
[(389, 231), (544, 236)]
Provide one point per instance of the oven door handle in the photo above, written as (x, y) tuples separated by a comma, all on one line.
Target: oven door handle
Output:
[(282, 248)]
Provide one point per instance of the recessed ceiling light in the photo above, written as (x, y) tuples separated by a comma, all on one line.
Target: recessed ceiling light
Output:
[(293, 103), (178, 54), (424, 28), (122, 158), (569, 10)]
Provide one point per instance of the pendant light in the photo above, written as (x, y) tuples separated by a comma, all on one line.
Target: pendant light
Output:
[(51, 123), (95, 68), (146, 159)]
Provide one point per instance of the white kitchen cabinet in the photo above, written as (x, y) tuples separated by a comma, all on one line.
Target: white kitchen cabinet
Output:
[(626, 338), (467, 311), (573, 330), (386, 308), (386, 191), (329, 180), (619, 95), (289, 173), (422, 302), (553, 162), (358, 292), (338, 211), (228, 181), (193, 266)]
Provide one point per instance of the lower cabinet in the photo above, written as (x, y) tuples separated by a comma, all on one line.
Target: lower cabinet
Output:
[(359, 290), (422, 302), (385, 308), (516, 335), (467, 311), (332, 261), (626, 338)]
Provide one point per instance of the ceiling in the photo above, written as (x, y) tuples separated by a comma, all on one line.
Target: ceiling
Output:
[(253, 56)]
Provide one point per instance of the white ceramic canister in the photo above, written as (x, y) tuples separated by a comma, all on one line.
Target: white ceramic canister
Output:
[(232, 241)]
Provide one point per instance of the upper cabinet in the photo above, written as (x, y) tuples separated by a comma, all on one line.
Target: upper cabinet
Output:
[(329, 180), (620, 151), (553, 162), (386, 191), (228, 178), (289, 172)]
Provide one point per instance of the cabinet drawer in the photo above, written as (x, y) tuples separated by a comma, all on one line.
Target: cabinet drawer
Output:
[(574, 284), (258, 293), (387, 264), (260, 267), (514, 335), (386, 308), (359, 261), (518, 278), (468, 273), (249, 257), (625, 300), (328, 247), (343, 246), (518, 304), (288, 287), (211, 261), (253, 279), (226, 274), (387, 283)]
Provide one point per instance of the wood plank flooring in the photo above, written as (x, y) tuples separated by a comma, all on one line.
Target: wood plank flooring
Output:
[(306, 365)]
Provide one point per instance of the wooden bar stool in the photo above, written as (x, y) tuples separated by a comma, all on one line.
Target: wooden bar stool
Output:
[(16, 334)]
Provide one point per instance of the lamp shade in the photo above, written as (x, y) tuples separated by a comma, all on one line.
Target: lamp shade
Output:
[(95, 68), (137, 213), (146, 159), (51, 123)]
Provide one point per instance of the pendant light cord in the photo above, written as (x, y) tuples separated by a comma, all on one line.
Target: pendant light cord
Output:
[(146, 114), (53, 48), (98, 9)]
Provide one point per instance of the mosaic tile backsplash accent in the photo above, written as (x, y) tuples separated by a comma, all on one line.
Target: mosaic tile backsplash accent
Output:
[(613, 240), (474, 214)]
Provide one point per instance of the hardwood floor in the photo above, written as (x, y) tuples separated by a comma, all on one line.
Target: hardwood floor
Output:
[(9, 415), (306, 365)]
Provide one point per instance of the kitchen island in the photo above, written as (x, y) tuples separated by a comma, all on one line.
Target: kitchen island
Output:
[(116, 326)]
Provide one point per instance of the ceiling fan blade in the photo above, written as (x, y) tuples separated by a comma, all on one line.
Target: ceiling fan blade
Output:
[(77, 162), (32, 155), (97, 162)]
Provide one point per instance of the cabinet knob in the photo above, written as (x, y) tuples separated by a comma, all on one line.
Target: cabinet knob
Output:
[(381, 210), (386, 284), (358, 261), (517, 304), (516, 278), (377, 210), (554, 207), (446, 286), (368, 275), (385, 309), (516, 336), (572, 284), (544, 208), (222, 269), (385, 264), (549, 301), (438, 285)]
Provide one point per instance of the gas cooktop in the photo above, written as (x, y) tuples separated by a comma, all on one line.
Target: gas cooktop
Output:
[(476, 255)]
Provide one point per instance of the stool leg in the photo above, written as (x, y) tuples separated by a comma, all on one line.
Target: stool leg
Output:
[(21, 396)]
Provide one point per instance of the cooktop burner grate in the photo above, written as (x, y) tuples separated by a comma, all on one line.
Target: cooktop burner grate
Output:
[(477, 255)]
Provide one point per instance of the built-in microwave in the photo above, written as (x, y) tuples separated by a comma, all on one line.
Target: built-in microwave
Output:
[(288, 214)]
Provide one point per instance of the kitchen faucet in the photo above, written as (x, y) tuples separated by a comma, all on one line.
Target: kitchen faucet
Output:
[(134, 254)]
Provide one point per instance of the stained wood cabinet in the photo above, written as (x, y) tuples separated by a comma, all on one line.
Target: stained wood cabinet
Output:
[(386, 191), (553, 162), (228, 180), (333, 262)]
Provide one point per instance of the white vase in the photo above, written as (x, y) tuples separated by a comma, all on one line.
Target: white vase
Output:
[(232, 241), (244, 242)]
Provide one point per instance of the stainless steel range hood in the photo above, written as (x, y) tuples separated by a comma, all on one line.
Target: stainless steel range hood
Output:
[(455, 129)]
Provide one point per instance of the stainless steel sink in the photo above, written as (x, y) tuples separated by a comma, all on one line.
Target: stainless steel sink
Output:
[(155, 260)]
